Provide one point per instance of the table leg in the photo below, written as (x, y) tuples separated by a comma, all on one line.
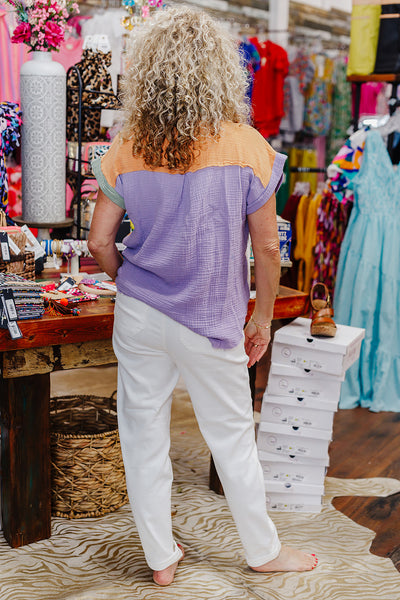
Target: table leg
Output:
[(25, 459)]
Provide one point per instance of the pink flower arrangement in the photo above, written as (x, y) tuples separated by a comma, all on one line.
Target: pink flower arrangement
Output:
[(42, 24)]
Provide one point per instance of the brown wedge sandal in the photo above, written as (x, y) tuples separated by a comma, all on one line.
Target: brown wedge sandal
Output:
[(322, 323)]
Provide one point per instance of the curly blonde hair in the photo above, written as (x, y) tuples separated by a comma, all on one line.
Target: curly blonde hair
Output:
[(184, 77)]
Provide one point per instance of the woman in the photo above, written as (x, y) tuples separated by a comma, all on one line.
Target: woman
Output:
[(194, 179)]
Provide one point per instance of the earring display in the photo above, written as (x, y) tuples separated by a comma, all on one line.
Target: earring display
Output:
[(139, 11)]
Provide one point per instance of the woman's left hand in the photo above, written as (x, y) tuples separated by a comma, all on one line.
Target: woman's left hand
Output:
[(256, 342)]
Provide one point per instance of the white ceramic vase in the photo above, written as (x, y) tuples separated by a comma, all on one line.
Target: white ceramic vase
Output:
[(43, 139)]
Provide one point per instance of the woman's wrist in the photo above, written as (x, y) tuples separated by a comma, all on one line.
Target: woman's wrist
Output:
[(261, 323)]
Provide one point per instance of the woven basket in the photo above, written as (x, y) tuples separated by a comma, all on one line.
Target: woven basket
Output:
[(20, 264), (87, 472)]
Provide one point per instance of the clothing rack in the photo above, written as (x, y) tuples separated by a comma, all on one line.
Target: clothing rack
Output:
[(82, 108), (307, 170), (393, 102)]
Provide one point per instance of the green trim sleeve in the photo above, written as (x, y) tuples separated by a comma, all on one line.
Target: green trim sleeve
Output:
[(104, 185)]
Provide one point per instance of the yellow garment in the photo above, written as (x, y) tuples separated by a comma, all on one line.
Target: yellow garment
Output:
[(300, 157), (306, 239), (300, 225), (364, 34)]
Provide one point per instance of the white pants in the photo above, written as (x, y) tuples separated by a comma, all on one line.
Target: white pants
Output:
[(152, 351)]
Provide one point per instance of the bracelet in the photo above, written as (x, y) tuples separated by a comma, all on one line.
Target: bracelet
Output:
[(268, 326)]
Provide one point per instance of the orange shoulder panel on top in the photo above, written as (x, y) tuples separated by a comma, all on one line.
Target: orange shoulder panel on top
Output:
[(242, 145), (239, 144), (118, 159)]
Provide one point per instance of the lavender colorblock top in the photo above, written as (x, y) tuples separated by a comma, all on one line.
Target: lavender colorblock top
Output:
[(187, 253)]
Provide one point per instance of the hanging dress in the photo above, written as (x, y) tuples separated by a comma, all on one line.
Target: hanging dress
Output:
[(367, 292), (306, 231)]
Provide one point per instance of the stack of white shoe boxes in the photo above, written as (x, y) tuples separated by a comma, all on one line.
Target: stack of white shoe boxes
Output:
[(297, 412)]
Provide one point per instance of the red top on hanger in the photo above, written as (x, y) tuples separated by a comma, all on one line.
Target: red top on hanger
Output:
[(267, 97)]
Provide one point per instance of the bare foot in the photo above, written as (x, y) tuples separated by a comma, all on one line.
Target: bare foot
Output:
[(166, 576), (289, 559)]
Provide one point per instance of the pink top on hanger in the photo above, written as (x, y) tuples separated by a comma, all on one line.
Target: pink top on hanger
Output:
[(12, 57), (369, 95)]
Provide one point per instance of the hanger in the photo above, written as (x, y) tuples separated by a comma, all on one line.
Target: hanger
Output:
[(246, 31), (358, 137), (391, 126), (302, 187), (97, 43), (103, 43), (88, 42), (262, 34)]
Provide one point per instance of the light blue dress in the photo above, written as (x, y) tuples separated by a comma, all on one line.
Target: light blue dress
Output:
[(367, 291)]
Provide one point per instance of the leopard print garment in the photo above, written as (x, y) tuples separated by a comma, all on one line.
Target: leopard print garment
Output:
[(97, 93)]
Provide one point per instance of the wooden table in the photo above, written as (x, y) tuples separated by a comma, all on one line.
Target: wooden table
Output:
[(49, 344)]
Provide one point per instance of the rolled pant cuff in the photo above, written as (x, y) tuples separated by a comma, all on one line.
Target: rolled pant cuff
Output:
[(159, 566), (261, 560)]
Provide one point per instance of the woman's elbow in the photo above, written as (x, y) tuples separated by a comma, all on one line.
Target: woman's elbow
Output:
[(95, 245), (270, 250)]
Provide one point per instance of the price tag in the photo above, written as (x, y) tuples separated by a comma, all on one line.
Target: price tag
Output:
[(13, 246), (66, 285), (11, 310), (14, 330), (3, 316), (8, 301), (5, 249), (9, 314), (36, 247)]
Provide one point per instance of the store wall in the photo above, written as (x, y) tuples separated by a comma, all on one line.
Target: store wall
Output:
[(344, 5)]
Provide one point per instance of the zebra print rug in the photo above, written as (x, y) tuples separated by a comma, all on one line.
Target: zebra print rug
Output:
[(101, 558)]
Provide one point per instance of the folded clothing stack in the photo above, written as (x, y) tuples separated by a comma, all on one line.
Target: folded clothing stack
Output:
[(26, 294)]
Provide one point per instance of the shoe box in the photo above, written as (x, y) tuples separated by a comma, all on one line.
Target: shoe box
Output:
[(293, 488), (287, 470), (293, 459), (287, 440), (277, 410), (297, 412), (304, 387), (294, 345), (289, 503), (285, 240)]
